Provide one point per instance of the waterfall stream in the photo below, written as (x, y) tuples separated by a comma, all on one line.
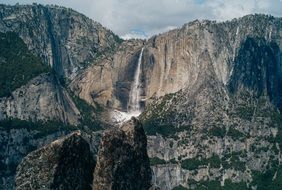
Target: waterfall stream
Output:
[(133, 106), (134, 96)]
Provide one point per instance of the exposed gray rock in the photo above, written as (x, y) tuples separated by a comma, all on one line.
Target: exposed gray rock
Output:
[(108, 81), (171, 60), (16, 144), (122, 159), (41, 99), (67, 163), (63, 38), (67, 41), (223, 121), (213, 92)]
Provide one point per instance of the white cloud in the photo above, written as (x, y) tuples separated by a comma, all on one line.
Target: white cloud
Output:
[(224, 10), (152, 17), (135, 18)]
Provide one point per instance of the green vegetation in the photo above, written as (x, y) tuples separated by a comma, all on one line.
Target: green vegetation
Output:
[(276, 119), (245, 112), (191, 164), (117, 38), (217, 131), (233, 161), (237, 164), (266, 180), (17, 64), (203, 185), (215, 185), (234, 133), (194, 163), (43, 127), (229, 185), (179, 187), (160, 121), (87, 112), (157, 161), (214, 161), (183, 141), (278, 137), (155, 125)]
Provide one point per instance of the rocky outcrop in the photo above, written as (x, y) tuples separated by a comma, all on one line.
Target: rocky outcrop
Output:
[(16, 143), (258, 69), (108, 81), (41, 99), (67, 163), (65, 39), (122, 159), (171, 60), (223, 126), (213, 95)]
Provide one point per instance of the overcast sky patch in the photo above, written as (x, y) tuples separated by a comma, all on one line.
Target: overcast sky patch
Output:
[(142, 19)]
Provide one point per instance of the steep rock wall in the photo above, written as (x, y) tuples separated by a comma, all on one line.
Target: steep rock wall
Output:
[(41, 99), (63, 38)]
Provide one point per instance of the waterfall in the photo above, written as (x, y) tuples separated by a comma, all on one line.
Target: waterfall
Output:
[(133, 108), (237, 38), (135, 92)]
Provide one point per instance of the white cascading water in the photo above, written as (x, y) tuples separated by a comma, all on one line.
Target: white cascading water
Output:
[(135, 92), (133, 108)]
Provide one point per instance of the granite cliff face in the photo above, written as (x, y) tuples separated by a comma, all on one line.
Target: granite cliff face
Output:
[(212, 91), (116, 160), (176, 55), (16, 144), (108, 81), (122, 161), (42, 98), (171, 60), (222, 126), (66, 163), (66, 40)]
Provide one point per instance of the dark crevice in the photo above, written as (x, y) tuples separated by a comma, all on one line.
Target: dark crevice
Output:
[(55, 47)]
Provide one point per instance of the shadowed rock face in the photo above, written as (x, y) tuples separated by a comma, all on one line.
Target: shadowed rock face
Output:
[(108, 81), (64, 164), (226, 110), (171, 60), (201, 79), (258, 69), (122, 159), (69, 163), (65, 40)]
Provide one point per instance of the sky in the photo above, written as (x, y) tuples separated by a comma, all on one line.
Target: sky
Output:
[(144, 18)]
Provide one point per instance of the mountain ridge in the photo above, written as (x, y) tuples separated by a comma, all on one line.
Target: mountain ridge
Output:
[(212, 92)]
